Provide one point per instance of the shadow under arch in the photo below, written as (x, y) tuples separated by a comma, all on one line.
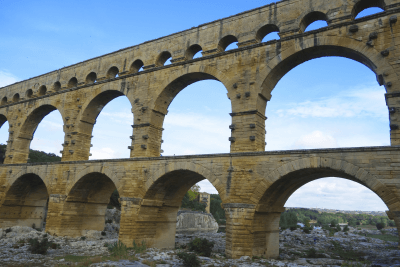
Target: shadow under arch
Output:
[(27, 131), (88, 117), (290, 58), (273, 192), (310, 18), (85, 205), (160, 204), (3, 120), (25, 202)]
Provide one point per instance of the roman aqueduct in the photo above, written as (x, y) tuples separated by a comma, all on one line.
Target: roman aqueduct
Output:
[(253, 184)]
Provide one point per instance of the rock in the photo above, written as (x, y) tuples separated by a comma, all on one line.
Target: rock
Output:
[(93, 234), (113, 215), (245, 258), (189, 222)]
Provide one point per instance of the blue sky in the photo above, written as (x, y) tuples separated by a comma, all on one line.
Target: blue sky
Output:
[(328, 102)]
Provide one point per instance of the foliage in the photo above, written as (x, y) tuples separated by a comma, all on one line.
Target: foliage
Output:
[(385, 237), (8, 230), (189, 259), (194, 192), (201, 246), (118, 249), (338, 228), (380, 225), (333, 223), (307, 223), (114, 201), (312, 253), (288, 220), (37, 246), (306, 229), (216, 210), (346, 228), (139, 248), (192, 204), (348, 253)]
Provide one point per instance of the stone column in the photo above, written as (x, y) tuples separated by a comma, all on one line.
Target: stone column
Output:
[(393, 103), (248, 131), (54, 211), (149, 221)]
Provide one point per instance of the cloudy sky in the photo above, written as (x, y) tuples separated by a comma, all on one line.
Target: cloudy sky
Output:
[(323, 103)]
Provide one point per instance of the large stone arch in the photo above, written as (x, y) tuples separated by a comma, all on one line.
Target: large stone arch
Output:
[(303, 49), (270, 188), (86, 120), (85, 203), (24, 202), (24, 134)]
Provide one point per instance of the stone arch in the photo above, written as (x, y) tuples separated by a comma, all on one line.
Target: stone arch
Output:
[(162, 198), (192, 50), (265, 30), (310, 18), (91, 109), (91, 78), (25, 134), (42, 90), (4, 100), (112, 72), (364, 4), (313, 48), (16, 97), (182, 78), (73, 82), (25, 201), (281, 183), (225, 41), (136, 66), (86, 203), (29, 93), (162, 58)]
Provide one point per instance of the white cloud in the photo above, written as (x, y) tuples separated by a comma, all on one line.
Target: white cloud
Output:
[(316, 139), (103, 153), (356, 103), (336, 193), (6, 78)]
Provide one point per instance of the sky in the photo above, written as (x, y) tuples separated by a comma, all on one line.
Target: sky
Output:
[(323, 103)]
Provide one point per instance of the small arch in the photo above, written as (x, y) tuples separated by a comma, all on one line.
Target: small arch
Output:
[(225, 42), (4, 100), (56, 86), (29, 93), (365, 4), (112, 72), (91, 78), (265, 30), (73, 82), (16, 97), (42, 90), (25, 202), (136, 66), (310, 18), (162, 58), (192, 51)]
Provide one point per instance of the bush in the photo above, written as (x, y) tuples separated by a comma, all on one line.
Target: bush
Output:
[(108, 221), (103, 233), (338, 228), (83, 238), (292, 228), (139, 248), (189, 259), (380, 226), (346, 228), (118, 249), (306, 230), (40, 247), (201, 246), (8, 230)]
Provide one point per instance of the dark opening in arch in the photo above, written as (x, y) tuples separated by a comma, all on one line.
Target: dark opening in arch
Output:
[(112, 72), (264, 31), (360, 6), (73, 82), (226, 41), (4, 137), (311, 18), (163, 58), (42, 90), (4, 100), (136, 66), (91, 78), (25, 203), (192, 51), (56, 86), (29, 93), (16, 97)]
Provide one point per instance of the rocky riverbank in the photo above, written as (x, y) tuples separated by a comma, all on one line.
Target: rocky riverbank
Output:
[(296, 249)]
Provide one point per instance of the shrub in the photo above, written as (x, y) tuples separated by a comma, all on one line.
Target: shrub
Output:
[(338, 228), (346, 228), (189, 259), (83, 237), (139, 248), (39, 247), (292, 228), (108, 221), (201, 246), (118, 249), (103, 233), (306, 230), (8, 230), (380, 226)]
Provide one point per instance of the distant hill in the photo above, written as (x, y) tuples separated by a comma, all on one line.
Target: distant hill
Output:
[(34, 155)]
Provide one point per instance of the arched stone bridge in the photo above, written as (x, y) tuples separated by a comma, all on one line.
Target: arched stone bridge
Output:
[(254, 185)]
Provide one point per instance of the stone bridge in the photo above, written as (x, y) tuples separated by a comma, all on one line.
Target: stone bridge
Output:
[(254, 185)]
